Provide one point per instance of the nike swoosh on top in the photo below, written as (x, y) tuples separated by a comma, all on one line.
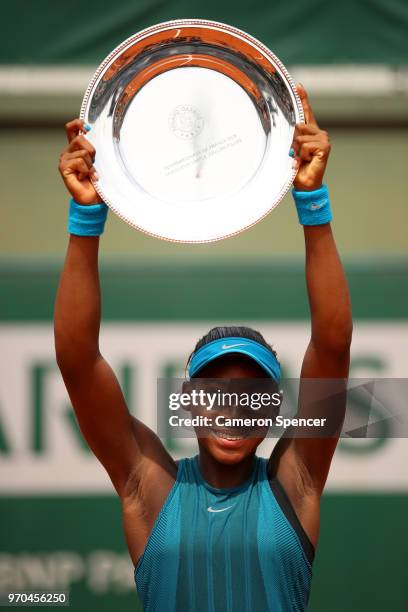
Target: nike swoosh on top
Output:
[(227, 346), (221, 509)]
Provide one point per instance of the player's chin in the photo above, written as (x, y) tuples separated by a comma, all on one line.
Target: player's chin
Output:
[(230, 451)]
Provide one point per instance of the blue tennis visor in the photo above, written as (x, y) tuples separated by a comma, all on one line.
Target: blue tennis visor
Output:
[(232, 345)]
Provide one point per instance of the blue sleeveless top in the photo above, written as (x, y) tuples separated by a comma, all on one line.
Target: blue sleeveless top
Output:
[(240, 549)]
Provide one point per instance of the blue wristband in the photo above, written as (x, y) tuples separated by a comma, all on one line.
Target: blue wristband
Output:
[(86, 220), (313, 207)]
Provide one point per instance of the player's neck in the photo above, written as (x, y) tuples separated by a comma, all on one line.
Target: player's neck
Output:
[(224, 476)]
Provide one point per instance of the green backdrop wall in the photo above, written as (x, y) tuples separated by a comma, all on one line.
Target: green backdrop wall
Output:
[(300, 31)]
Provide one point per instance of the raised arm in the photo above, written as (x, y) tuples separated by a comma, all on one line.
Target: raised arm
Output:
[(328, 353), (123, 445), (302, 464)]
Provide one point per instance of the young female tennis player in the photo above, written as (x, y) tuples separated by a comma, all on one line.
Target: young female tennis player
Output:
[(225, 531)]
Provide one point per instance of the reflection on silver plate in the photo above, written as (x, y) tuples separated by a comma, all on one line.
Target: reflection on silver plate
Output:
[(192, 121)]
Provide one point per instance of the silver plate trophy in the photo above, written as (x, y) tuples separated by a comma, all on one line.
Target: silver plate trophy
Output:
[(192, 121)]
